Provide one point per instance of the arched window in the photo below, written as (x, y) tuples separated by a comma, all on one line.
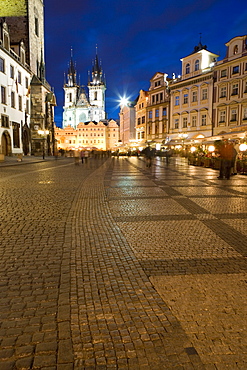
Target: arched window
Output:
[(95, 95), (197, 65), (187, 68)]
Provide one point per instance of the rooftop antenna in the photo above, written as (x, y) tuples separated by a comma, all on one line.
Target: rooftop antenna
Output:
[(71, 52)]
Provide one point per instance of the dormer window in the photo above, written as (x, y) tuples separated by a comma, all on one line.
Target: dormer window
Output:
[(187, 68), (197, 65), (235, 50)]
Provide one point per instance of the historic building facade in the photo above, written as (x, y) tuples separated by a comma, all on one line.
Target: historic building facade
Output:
[(191, 97), (23, 50), (230, 89), (102, 135), (15, 78), (158, 108), (141, 118)]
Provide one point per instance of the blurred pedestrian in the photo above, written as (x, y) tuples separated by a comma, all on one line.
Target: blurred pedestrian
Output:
[(82, 156), (226, 151)]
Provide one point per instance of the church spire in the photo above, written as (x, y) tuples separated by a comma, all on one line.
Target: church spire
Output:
[(97, 74), (71, 71)]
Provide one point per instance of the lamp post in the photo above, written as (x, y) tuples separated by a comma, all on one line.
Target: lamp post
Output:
[(44, 134)]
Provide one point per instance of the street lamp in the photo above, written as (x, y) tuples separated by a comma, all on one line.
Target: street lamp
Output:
[(43, 133)]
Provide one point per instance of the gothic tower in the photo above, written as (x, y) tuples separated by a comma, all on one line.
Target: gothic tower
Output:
[(97, 89), (26, 21)]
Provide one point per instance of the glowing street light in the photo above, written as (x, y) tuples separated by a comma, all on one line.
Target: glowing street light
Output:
[(243, 147), (124, 101)]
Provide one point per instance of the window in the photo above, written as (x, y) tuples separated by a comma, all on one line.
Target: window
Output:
[(197, 65), (235, 50), (164, 112), (204, 94), (186, 96), (187, 68), (5, 121), (185, 122), (143, 119), (161, 96), (176, 100), (204, 119), (20, 102), (27, 106), (139, 121), (3, 95), (193, 121), (223, 92), (16, 134), (235, 69), (222, 116), (19, 77), (150, 114), (157, 113), (153, 99), (36, 26), (245, 88), (194, 96), (235, 89), (176, 123), (26, 79), (12, 99), (11, 69), (157, 83), (234, 115), (245, 113), (2, 65), (223, 73)]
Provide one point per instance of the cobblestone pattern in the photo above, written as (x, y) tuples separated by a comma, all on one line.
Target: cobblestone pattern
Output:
[(194, 255), (118, 319)]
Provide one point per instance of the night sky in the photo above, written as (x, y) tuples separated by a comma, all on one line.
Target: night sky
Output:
[(135, 39)]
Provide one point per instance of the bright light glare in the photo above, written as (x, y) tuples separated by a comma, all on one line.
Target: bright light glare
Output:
[(211, 148), (193, 149), (243, 147), (123, 101)]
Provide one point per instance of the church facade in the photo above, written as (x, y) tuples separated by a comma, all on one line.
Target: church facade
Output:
[(85, 125)]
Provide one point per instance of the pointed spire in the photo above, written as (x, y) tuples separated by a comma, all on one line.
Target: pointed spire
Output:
[(71, 71)]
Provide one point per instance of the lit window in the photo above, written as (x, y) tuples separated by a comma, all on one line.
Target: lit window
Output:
[(204, 94), (245, 113), (157, 113), (185, 122), (223, 92), (222, 116), (204, 119), (150, 114), (235, 50), (234, 115), (193, 121), (164, 112)]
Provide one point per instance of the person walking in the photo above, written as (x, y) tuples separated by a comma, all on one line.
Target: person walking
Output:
[(226, 152), (82, 156)]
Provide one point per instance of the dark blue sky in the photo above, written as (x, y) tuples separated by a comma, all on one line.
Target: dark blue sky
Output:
[(135, 39)]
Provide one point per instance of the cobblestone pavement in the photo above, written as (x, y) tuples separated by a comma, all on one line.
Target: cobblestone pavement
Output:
[(112, 265)]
